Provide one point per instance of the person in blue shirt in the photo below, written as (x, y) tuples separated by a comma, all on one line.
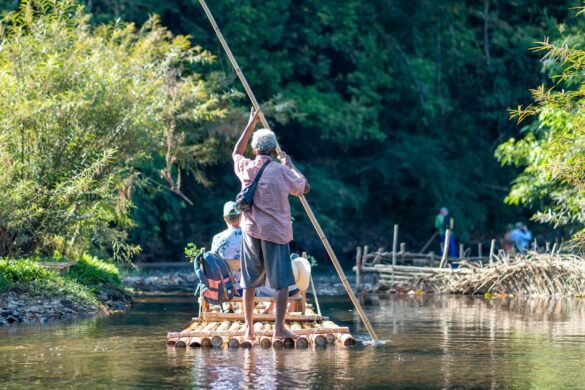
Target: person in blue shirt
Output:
[(521, 237), (228, 243)]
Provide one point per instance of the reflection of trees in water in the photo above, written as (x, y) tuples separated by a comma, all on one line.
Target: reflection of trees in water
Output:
[(260, 368), (554, 316), (491, 343)]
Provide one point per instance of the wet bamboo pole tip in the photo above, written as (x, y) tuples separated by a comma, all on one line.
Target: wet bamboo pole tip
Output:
[(195, 342), (319, 340), (265, 342), (233, 343), (206, 342), (182, 342), (216, 341), (302, 342)]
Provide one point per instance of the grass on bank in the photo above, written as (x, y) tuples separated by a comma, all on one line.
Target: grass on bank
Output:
[(86, 278)]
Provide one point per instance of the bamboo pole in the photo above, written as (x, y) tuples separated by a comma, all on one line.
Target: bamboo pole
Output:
[(445, 249), (429, 242), (245, 343), (358, 268), (233, 342), (461, 251), (289, 343), (216, 341), (265, 342), (304, 202), (319, 340), (277, 343), (492, 249), (172, 341), (182, 342), (206, 342), (330, 337), (363, 261), (346, 340), (394, 243)]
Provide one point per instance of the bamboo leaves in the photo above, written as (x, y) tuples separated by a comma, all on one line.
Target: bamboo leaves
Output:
[(84, 113)]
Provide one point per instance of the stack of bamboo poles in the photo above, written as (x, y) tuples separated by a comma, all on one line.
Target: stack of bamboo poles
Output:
[(533, 274), (217, 334)]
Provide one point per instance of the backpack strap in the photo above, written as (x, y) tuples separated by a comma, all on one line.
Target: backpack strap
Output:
[(259, 175), (200, 268)]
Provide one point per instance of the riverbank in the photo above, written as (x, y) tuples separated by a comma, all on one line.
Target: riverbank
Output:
[(30, 293), (160, 280)]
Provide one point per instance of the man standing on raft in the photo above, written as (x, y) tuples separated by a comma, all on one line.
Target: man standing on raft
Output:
[(267, 226)]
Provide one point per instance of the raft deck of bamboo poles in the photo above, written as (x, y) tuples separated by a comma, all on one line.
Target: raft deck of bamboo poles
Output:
[(214, 329)]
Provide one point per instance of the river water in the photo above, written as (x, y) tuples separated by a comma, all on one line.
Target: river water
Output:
[(433, 342)]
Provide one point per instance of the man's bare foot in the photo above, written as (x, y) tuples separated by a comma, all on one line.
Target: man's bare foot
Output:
[(249, 333), (283, 334)]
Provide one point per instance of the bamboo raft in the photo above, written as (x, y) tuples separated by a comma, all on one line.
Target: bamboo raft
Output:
[(215, 329)]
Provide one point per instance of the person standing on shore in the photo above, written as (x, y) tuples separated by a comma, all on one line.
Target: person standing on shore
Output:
[(521, 237), (267, 226), (442, 223)]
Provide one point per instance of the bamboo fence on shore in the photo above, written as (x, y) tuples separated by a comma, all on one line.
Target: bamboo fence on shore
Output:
[(548, 273), (533, 274)]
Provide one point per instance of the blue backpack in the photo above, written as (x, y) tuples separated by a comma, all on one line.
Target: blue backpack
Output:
[(215, 278)]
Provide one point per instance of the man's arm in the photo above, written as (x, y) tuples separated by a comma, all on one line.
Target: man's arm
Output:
[(286, 161), (242, 143)]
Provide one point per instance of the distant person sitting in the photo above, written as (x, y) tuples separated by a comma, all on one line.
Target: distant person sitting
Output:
[(228, 244), (442, 223), (521, 237)]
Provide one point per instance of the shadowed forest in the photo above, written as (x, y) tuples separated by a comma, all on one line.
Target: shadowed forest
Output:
[(392, 109)]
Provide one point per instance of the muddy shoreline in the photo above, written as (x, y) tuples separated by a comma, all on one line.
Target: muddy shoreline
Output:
[(23, 307)]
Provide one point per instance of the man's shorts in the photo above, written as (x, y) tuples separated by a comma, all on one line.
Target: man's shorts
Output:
[(264, 259)]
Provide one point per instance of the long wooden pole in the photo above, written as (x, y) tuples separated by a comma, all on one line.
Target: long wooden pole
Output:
[(445, 249), (424, 248), (394, 243), (304, 202)]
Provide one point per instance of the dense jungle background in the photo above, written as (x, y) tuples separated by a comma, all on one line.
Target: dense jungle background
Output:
[(392, 109)]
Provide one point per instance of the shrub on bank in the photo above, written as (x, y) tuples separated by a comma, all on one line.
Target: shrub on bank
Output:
[(87, 277), (28, 276), (92, 272)]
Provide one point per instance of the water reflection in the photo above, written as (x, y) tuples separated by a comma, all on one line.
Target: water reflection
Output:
[(264, 369), (435, 342)]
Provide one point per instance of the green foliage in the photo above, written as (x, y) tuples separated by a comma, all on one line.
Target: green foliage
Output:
[(552, 151), (4, 284), (26, 274), (87, 115), (24, 271), (92, 272), (191, 252), (392, 109)]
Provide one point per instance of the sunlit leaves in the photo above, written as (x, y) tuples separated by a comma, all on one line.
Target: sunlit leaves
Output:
[(83, 111), (552, 152)]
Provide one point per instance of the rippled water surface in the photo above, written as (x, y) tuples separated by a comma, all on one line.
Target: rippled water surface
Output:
[(434, 342)]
